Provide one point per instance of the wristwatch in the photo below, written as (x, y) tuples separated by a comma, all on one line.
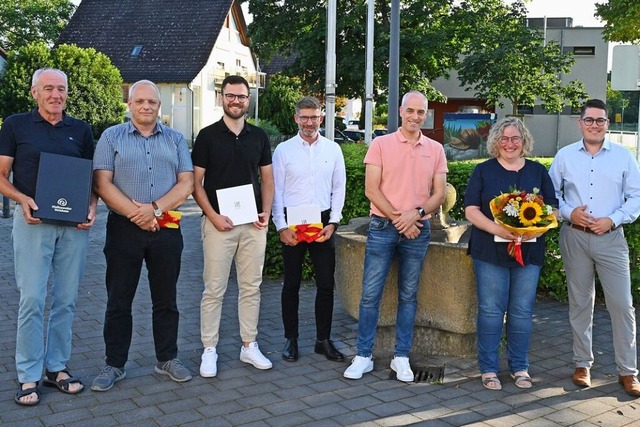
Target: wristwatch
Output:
[(157, 212), (421, 211)]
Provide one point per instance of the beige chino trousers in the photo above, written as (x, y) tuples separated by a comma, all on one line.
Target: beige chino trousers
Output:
[(247, 245)]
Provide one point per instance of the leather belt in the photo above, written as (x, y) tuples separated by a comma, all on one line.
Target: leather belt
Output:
[(587, 229)]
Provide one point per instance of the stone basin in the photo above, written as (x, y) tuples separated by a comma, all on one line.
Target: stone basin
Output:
[(447, 302)]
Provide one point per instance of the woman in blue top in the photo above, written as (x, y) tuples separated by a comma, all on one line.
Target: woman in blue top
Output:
[(503, 285)]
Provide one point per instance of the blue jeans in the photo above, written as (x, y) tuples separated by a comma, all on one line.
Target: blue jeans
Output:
[(505, 290), (37, 249), (383, 242)]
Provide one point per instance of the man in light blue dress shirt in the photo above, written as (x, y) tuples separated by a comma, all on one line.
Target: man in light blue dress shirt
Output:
[(597, 184)]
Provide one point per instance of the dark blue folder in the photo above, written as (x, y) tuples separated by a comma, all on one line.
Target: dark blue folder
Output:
[(63, 189)]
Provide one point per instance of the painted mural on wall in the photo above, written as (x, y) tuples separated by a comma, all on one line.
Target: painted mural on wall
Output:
[(465, 135)]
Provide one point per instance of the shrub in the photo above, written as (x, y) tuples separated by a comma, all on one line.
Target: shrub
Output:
[(356, 203), (269, 128), (95, 93)]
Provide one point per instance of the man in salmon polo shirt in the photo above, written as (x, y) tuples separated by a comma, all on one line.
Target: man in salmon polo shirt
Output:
[(405, 181)]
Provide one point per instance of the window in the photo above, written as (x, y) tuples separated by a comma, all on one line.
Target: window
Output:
[(580, 50), (135, 52), (525, 109)]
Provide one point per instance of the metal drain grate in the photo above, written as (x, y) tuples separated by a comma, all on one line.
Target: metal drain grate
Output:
[(428, 374)]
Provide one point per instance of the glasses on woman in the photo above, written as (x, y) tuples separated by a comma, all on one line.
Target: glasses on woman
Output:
[(514, 139), (600, 121)]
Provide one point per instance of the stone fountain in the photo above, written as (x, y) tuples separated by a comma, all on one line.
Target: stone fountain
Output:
[(447, 303)]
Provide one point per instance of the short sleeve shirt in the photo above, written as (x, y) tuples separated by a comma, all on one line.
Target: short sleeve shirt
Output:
[(231, 160), (488, 180), (145, 168), (24, 136), (407, 170)]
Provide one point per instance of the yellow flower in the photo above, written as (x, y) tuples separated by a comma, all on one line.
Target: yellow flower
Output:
[(530, 213)]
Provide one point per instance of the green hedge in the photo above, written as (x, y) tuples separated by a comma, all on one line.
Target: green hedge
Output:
[(552, 278)]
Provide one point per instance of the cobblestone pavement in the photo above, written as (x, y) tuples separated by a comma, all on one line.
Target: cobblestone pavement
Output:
[(311, 391)]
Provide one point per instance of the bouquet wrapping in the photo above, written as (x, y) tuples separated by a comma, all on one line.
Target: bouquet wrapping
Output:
[(170, 219), (523, 213), (308, 232)]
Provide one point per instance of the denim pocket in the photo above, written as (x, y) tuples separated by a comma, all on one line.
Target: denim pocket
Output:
[(377, 224)]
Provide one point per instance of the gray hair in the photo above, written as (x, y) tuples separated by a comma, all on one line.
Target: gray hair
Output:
[(36, 75), (497, 130), (413, 92), (308, 102), (143, 83)]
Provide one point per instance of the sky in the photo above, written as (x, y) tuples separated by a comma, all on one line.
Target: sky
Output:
[(581, 11)]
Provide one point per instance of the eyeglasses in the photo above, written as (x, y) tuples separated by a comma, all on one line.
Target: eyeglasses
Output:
[(307, 118), (600, 121), (514, 139), (232, 97)]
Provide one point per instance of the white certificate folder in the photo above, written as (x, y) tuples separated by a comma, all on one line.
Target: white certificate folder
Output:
[(300, 215), (238, 203)]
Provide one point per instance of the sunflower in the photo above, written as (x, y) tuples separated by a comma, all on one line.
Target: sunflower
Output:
[(530, 213)]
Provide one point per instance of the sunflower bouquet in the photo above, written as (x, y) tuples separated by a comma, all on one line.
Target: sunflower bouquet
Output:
[(523, 213)]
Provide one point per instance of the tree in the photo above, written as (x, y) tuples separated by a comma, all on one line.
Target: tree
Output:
[(428, 46), (622, 18), (624, 103), (278, 103), (27, 21), (506, 59), (95, 93), (501, 56)]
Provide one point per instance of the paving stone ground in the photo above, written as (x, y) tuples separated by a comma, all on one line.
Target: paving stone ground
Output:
[(311, 391)]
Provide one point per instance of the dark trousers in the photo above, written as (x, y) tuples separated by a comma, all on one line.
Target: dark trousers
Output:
[(126, 247), (324, 261)]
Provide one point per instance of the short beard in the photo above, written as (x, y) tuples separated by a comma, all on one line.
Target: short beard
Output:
[(305, 132), (227, 112)]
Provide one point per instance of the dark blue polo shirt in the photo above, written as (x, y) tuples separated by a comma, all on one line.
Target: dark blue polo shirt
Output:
[(488, 180), (24, 136), (231, 160)]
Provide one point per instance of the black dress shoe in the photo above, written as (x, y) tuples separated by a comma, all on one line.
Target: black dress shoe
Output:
[(290, 350), (327, 348)]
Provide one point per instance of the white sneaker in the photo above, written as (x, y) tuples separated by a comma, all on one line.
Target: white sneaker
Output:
[(208, 368), (360, 365), (402, 368), (254, 356)]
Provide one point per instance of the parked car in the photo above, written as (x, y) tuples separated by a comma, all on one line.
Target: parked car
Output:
[(338, 136), (356, 135), (353, 124), (379, 132)]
